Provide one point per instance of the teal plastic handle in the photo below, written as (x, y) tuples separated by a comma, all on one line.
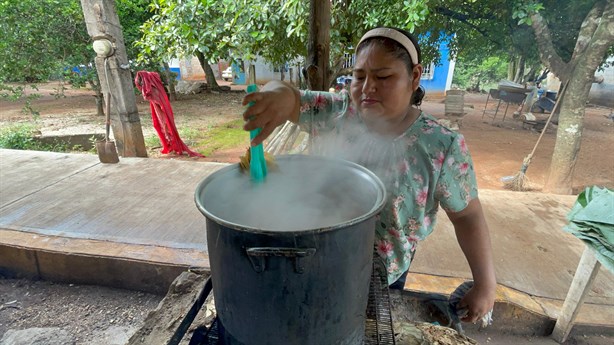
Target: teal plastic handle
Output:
[(257, 164)]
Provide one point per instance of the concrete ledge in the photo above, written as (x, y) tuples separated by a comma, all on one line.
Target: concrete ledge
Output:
[(128, 266), (546, 309), (154, 268), (85, 141)]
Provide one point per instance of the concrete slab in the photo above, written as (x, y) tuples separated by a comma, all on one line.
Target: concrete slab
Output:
[(135, 225), (531, 251), (138, 200), (25, 172)]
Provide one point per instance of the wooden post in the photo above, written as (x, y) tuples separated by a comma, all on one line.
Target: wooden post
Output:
[(583, 279), (251, 74), (318, 56), (115, 76)]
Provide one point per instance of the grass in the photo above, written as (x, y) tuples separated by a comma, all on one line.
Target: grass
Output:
[(210, 139), (224, 136), (21, 137), (204, 140)]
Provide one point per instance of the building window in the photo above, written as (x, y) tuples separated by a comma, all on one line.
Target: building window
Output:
[(348, 60), (428, 71)]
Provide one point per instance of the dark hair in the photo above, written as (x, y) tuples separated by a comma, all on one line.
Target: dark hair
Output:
[(398, 51)]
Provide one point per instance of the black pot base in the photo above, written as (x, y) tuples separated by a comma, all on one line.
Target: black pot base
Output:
[(378, 322)]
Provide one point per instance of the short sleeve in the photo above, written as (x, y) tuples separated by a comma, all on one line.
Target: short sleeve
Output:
[(456, 185), (319, 109)]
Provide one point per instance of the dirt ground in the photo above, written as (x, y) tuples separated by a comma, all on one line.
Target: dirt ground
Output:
[(497, 148), (87, 311), (82, 310)]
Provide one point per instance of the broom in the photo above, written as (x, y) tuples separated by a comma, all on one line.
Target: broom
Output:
[(520, 181)]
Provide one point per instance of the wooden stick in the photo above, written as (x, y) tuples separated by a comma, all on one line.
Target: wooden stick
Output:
[(583, 279), (554, 110)]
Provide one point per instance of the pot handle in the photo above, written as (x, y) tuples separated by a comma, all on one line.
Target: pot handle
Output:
[(258, 255)]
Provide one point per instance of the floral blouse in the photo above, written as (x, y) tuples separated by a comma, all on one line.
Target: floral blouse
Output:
[(427, 166)]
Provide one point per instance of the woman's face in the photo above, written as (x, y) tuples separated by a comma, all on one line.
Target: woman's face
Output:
[(381, 86)]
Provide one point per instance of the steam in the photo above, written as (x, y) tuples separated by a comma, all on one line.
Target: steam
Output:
[(308, 193), (355, 143), (303, 194)]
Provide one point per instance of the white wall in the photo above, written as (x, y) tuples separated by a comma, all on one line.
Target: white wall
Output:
[(603, 93), (265, 72)]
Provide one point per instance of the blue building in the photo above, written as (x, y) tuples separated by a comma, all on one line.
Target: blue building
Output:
[(174, 67), (437, 76)]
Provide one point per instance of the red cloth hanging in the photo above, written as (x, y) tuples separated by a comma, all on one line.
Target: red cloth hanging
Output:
[(150, 85)]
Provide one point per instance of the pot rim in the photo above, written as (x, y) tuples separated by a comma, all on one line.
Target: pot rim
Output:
[(377, 207)]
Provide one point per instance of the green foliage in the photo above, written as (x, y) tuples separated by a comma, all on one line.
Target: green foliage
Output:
[(489, 28), (132, 14), (45, 39), (524, 9), (565, 19), (18, 137), (21, 136), (39, 38), (274, 30), (478, 75)]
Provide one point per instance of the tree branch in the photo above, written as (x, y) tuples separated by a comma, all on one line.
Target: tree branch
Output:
[(587, 30), (603, 37), (547, 53), (465, 19), (461, 18)]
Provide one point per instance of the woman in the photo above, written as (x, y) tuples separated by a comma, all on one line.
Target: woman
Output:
[(422, 163)]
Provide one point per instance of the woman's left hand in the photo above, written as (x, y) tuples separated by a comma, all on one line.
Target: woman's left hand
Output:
[(472, 234), (478, 301)]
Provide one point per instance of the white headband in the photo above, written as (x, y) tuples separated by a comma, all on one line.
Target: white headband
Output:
[(395, 36)]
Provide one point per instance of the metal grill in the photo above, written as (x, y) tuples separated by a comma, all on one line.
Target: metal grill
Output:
[(378, 323)]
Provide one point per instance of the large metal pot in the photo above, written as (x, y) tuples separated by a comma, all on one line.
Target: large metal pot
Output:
[(291, 257)]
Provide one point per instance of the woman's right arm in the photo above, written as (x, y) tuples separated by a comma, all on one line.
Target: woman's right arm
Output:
[(278, 102)]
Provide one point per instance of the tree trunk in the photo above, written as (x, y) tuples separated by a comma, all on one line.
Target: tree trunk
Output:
[(568, 136), (560, 92), (595, 38), (210, 77), (519, 69), (282, 72), (170, 81), (318, 46), (251, 74), (98, 96), (300, 76), (103, 23), (511, 69)]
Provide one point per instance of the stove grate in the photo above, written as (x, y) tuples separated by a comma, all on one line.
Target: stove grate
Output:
[(378, 323)]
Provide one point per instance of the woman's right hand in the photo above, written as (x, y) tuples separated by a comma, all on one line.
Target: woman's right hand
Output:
[(276, 103)]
